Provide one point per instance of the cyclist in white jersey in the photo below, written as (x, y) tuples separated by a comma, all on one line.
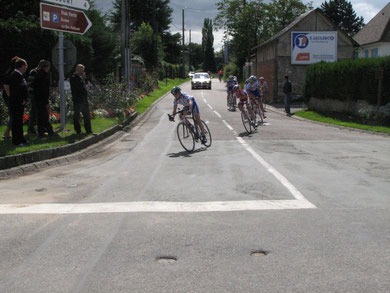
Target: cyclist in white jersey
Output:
[(252, 87), (188, 102)]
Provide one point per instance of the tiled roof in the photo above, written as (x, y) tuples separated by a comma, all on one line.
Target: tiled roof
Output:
[(374, 31)]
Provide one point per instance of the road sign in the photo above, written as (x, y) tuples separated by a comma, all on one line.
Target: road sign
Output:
[(70, 56), (79, 4), (64, 19)]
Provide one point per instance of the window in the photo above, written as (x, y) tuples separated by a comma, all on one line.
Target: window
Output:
[(356, 56), (366, 53), (374, 53)]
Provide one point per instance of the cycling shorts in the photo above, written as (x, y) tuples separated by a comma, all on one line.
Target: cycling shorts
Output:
[(256, 92), (195, 108)]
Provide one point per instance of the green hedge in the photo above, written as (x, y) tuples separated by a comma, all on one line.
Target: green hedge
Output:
[(172, 71), (348, 80)]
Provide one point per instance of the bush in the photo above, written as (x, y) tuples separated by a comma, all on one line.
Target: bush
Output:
[(348, 80), (231, 69)]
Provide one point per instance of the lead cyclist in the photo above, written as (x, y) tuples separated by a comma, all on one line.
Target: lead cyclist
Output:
[(252, 87)]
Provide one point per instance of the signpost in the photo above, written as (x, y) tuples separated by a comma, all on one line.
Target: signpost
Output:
[(64, 19), (68, 20), (78, 4)]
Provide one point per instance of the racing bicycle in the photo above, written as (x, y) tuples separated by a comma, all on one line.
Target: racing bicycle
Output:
[(188, 131)]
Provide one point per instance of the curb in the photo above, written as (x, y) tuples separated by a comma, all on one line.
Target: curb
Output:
[(26, 162), (275, 110)]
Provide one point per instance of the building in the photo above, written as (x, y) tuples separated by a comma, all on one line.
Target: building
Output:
[(374, 37), (276, 57)]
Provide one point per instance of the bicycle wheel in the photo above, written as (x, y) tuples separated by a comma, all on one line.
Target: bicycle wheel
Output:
[(207, 134), (186, 137), (259, 114), (246, 121)]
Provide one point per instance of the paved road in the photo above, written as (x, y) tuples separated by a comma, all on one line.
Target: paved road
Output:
[(312, 200)]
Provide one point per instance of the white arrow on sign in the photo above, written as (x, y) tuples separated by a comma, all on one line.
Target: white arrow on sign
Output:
[(80, 4)]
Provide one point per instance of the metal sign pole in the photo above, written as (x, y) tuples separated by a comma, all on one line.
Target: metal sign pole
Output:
[(61, 79)]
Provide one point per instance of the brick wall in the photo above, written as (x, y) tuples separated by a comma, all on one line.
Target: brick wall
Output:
[(267, 70)]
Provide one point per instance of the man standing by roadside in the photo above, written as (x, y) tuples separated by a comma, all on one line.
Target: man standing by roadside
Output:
[(18, 100), (32, 121), (42, 93), (80, 99), (287, 89)]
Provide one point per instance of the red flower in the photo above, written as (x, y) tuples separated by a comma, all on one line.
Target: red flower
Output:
[(25, 118)]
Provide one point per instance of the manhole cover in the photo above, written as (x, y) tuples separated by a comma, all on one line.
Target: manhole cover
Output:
[(40, 189), (259, 253), (166, 259)]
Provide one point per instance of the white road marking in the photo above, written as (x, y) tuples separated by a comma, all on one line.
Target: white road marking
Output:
[(155, 206), (227, 125), (210, 106), (216, 113)]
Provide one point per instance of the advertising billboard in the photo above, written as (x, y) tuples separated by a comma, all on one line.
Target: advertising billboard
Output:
[(313, 47)]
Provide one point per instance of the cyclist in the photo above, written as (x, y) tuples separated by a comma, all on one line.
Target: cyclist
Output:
[(188, 102), (220, 74), (230, 84), (243, 99), (263, 87), (253, 89)]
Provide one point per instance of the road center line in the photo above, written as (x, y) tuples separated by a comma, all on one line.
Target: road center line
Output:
[(216, 113)]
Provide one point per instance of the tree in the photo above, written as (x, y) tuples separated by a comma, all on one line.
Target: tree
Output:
[(249, 23), (343, 15), (196, 55), (172, 47), (208, 45), (155, 12), (148, 45)]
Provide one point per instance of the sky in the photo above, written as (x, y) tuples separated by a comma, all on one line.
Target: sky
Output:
[(196, 10)]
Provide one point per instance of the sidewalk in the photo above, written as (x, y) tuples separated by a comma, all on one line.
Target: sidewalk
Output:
[(279, 107)]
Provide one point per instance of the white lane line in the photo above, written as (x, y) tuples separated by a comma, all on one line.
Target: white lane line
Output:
[(155, 206), (210, 106), (216, 113), (291, 188), (205, 101), (227, 125)]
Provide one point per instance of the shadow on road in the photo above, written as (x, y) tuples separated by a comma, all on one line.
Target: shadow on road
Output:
[(186, 154)]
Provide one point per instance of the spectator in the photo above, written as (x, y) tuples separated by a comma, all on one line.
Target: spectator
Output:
[(18, 100), (32, 121), (6, 80), (42, 93), (80, 99), (263, 88), (287, 89)]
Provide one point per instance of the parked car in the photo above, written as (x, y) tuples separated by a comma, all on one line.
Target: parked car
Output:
[(201, 80), (191, 74)]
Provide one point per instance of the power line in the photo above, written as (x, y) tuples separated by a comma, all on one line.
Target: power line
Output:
[(195, 10)]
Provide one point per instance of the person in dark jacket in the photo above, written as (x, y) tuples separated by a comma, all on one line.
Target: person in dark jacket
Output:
[(32, 121), (80, 99), (18, 100), (287, 89), (6, 80), (42, 93)]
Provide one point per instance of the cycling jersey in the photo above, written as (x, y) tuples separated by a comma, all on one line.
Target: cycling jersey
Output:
[(184, 100), (263, 85), (231, 84), (253, 88), (242, 95)]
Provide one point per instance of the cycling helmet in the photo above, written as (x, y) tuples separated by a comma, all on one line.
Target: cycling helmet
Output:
[(236, 87), (261, 78), (230, 77), (252, 78), (175, 90)]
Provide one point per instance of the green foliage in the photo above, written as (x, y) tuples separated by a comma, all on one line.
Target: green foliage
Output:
[(348, 80), (172, 47), (207, 45), (147, 45), (157, 13), (171, 71), (231, 69), (343, 15), (248, 24)]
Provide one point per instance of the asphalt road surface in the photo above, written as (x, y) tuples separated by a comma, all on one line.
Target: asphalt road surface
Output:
[(295, 207)]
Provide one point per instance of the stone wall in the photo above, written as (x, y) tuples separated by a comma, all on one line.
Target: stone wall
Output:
[(267, 70)]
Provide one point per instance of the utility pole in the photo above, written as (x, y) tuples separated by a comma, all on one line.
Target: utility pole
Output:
[(184, 66), (125, 43)]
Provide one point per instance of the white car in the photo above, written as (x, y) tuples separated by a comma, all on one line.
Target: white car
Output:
[(201, 80), (191, 74)]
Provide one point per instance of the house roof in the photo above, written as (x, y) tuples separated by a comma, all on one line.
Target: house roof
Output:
[(295, 22), (374, 30)]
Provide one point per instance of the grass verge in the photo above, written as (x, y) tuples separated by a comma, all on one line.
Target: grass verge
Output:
[(164, 87), (321, 118), (61, 138)]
